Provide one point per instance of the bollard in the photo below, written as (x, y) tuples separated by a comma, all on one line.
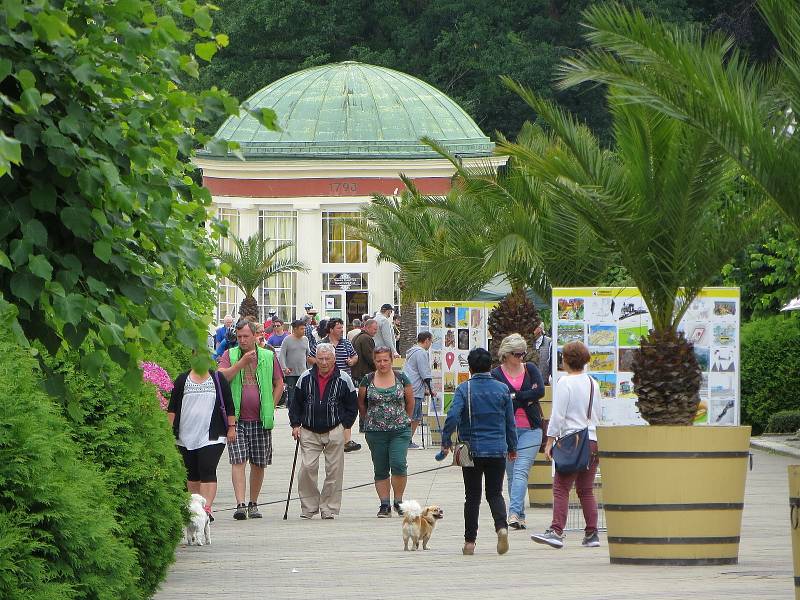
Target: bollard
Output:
[(794, 523)]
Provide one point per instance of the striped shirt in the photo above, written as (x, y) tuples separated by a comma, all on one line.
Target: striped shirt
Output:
[(344, 350)]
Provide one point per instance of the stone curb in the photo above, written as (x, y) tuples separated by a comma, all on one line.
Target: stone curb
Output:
[(775, 446)]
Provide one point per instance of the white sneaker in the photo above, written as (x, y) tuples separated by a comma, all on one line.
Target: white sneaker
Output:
[(549, 537)]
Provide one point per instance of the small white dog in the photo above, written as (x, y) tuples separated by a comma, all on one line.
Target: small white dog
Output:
[(419, 523), (198, 531)]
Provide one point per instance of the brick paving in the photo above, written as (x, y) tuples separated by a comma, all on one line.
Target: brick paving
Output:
[(360, 557)]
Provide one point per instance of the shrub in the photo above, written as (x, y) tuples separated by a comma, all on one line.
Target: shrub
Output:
[(173, 358), (784, 421), (58, 536), (123, 429), (770, 369)]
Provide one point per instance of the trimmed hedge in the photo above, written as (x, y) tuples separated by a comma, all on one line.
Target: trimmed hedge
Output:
[(770, 369), (125, 431), (58, 536), (784, 421)]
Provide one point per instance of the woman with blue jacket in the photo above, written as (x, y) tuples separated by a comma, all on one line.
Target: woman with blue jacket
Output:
[(483, 413)]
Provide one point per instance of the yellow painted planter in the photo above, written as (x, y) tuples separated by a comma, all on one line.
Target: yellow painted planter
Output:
[(540, 479), (673, 495), (794, 521)]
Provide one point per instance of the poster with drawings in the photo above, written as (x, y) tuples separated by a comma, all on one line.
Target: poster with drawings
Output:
[(612, 321), (457, 328)]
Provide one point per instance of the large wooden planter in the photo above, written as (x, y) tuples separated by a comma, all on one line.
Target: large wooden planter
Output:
[(540, 478), (673, 495), (794, 522)]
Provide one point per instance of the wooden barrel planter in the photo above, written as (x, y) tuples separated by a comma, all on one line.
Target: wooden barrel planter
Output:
[(540, 479), (673, 495), (794, 521)]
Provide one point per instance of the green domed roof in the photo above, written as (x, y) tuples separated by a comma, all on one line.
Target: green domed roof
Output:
[(354, 110)]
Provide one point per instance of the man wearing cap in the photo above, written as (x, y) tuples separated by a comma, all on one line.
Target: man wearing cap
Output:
[(385, 336), (311, 323)]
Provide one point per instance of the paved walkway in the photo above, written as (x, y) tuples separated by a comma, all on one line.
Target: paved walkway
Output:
[(360, 557)]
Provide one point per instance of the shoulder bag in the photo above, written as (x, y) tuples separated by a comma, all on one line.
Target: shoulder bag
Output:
[(218, 390), (571, 452), (462, 455)]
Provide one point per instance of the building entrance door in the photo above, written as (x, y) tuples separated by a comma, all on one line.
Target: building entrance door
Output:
[(357, 304), (345, 305)]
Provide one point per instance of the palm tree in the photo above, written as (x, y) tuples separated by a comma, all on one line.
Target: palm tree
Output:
[(521, 235), (408, 236), (252, 264), (748, 110), (674, 207)]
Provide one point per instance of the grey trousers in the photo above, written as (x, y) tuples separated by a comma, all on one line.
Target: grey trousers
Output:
[(312, 445)]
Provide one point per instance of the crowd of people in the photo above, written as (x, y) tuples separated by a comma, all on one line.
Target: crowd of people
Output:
[(329, 380)]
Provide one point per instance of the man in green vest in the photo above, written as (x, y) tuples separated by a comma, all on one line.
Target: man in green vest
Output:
[(257, 385)]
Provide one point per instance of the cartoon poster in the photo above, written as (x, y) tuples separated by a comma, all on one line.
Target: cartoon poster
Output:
[(612, 321)]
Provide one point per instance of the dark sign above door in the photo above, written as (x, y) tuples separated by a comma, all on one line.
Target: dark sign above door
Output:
[(345, 281)]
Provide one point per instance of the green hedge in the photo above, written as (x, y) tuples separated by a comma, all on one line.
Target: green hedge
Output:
[(58, 536), (125, 431), (770, 369), (173, 359), (784, 421)]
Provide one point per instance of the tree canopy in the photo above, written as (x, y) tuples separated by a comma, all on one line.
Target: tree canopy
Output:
[(460, 46), (103, 240)]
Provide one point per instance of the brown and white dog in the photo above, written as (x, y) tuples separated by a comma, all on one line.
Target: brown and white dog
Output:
[(418, 523)]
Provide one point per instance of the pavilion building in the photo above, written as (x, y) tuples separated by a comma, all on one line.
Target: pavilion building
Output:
[(347, 131)]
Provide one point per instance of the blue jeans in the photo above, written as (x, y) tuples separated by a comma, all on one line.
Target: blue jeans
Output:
[(528, 442)]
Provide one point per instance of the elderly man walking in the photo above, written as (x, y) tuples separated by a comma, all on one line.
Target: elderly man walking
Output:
[(323, 407), (257, 385)]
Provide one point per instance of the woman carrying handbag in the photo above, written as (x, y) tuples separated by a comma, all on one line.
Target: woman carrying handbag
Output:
[(572, 443), (483, 413)]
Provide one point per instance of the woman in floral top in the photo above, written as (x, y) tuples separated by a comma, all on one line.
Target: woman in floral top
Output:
[(385, 404)]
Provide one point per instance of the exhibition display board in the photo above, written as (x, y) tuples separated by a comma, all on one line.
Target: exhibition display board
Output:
[(457, 328), (610, 321)]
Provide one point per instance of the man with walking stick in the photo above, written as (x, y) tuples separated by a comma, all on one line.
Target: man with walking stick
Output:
[(324, 405)]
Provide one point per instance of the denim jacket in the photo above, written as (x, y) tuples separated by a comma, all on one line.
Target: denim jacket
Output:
[(493, 432)]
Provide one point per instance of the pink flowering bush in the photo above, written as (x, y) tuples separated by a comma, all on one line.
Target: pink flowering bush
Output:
[(156, 375)]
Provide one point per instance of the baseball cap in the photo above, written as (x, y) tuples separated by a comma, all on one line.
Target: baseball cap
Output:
[(387, 307)]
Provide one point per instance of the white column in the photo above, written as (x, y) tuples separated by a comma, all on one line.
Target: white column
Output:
[(309, 251)]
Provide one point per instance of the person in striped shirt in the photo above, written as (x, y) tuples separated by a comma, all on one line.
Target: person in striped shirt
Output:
[(346, 357)]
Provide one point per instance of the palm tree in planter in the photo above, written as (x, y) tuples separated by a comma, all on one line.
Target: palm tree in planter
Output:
[(252, 263), (523, 237), (675, 207)]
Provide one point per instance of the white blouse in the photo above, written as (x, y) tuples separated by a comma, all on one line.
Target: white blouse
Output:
[(570, 405)]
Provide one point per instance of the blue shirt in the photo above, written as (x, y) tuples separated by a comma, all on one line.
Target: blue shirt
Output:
[(491, 430)]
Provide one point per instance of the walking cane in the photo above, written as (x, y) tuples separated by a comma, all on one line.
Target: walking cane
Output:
[(291, 481)]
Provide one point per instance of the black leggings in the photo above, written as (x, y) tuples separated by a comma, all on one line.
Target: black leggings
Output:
[(201, 464), (492, 470)]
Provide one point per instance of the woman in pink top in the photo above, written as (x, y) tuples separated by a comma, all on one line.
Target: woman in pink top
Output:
[(526, 386)]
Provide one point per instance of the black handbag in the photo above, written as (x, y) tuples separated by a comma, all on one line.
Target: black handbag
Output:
[(571, 452)]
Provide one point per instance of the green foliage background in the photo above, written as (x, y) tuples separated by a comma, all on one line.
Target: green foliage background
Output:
[(770, 370), (59, 535), (460, 46), (122, 429)]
